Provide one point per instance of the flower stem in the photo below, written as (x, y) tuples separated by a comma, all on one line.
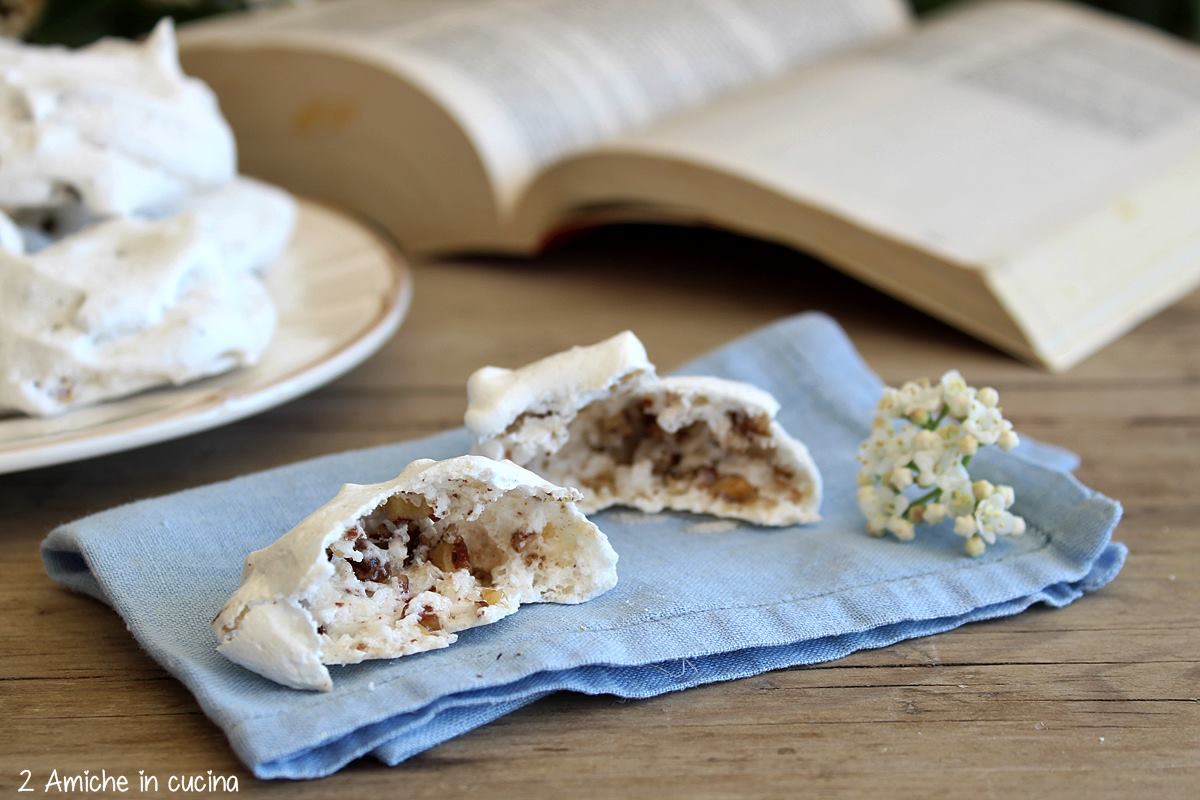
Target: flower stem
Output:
[(932, 494)]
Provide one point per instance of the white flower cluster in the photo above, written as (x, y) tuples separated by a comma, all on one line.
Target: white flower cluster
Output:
[(914, 463)]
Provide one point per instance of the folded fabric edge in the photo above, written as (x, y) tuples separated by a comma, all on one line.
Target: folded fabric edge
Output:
[(67, 567), (1104, 512), (976, 584), (396, 739), (452, 716)]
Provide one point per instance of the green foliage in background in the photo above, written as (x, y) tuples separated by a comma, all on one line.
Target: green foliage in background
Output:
[(1177, 16), (76, 22)]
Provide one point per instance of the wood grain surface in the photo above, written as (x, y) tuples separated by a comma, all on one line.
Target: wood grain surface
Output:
[(1101, 699)]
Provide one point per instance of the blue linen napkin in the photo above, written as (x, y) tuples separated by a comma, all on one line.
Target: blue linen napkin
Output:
[(692, 606)]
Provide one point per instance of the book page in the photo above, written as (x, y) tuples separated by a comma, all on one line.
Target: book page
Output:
[(534, 80), (988, 130)]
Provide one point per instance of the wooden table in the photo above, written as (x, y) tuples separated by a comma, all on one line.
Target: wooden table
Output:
[(1097, 700)]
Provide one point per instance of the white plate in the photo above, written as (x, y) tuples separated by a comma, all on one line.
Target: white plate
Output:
[(341, 292)]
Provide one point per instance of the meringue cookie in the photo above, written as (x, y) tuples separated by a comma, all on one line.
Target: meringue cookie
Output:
[(116, 127), (605, 424), (11, 239), (395, 568), (127, 304), (546, 395)]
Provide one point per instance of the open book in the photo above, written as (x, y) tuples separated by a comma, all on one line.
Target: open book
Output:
[(1028, 171)]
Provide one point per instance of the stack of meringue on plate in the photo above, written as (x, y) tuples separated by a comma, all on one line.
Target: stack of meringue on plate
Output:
[(131, 253)]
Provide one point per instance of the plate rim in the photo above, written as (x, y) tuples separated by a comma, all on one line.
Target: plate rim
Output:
[(225, 406)]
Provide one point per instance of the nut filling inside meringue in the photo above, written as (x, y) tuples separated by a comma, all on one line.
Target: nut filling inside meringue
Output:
[(402, 575), (618, 450)]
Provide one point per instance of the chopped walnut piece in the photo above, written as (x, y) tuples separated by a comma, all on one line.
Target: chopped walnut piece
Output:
[(380, 535), (618, 425), (400, 507), (520, 539), (449, 555), (415, 540), (460, 557), (600, 483), (651, 429), (759, 425), (665, 461), (440, 555), (734, 489), (370, 569), (430, 621)]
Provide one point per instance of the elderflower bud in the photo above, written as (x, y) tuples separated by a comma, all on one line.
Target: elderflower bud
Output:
[(984, 423), (903, 529), (927, 440), (934, 513), (914, 463), (957, 394), (920, 398), (991, 518), (890, 400), (957, 493)]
